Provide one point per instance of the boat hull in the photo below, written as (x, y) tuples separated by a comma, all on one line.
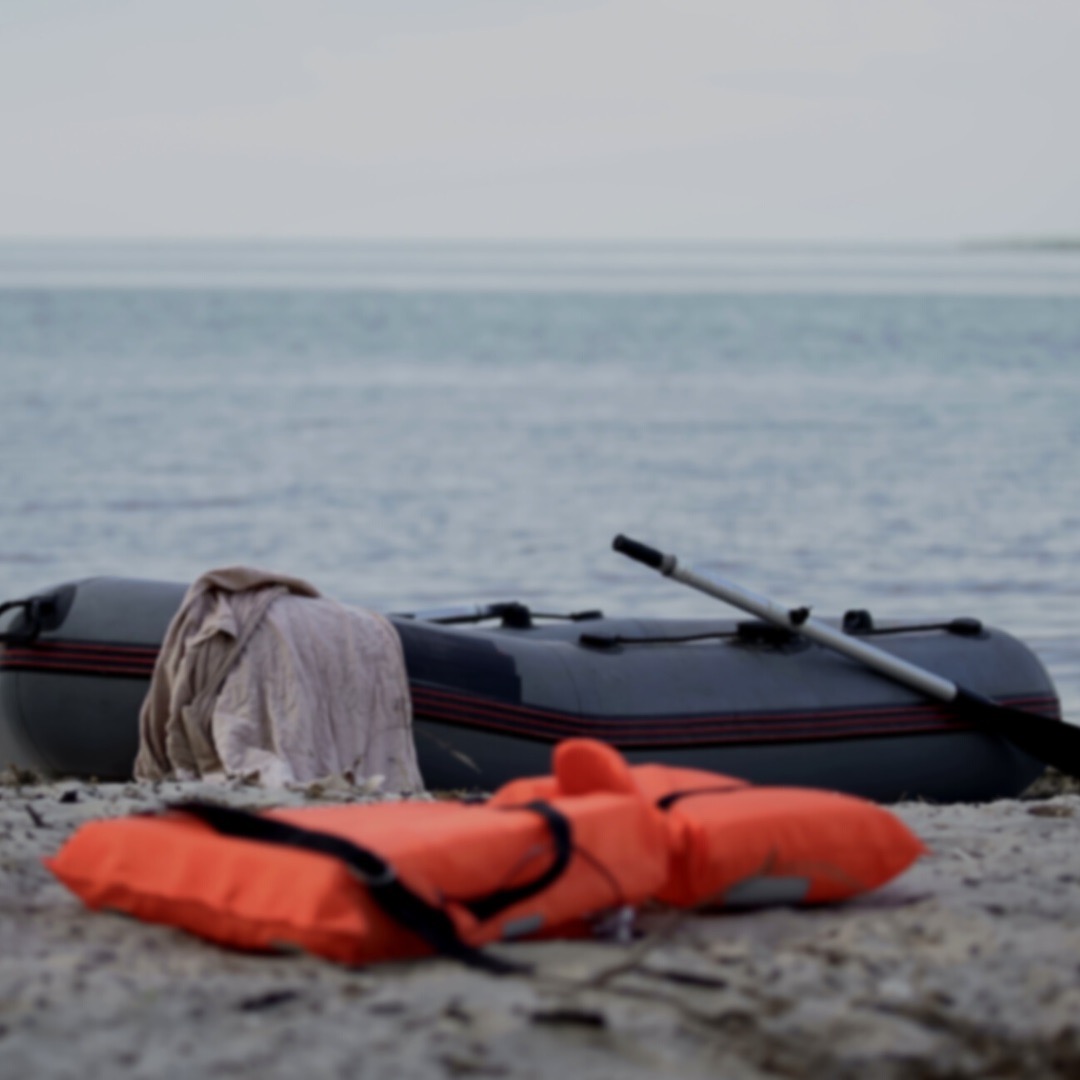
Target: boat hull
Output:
[(489, 702)]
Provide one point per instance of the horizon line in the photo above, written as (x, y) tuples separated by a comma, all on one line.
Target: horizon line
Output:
[(1063, 241)]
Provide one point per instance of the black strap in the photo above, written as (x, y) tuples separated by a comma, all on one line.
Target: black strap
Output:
[(748, 632), (859, 624), (562, 833), (428, 921), (609, 641), (667, 801)]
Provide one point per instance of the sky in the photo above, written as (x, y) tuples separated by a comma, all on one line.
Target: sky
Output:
[(741, 120)]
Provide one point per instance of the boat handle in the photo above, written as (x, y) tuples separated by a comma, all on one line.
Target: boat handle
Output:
[(35, 609)]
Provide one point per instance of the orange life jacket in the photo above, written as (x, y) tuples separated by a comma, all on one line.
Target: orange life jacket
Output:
[(360, 883), (733, 844)]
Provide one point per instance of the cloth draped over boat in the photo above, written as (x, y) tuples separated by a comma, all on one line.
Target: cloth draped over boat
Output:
[(260, 675), (553, 855)]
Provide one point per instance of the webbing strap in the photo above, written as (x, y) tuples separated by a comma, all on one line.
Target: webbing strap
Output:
[(667, 801), (562, 833), (428, 921)]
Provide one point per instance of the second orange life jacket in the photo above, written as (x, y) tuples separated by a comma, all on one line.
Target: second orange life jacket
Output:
[(734, 844)]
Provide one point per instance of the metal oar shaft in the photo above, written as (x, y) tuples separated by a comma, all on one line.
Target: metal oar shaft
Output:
[(797, 620), (802, 623)]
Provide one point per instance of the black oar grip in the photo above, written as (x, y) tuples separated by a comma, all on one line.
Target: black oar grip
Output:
[(634, 549)]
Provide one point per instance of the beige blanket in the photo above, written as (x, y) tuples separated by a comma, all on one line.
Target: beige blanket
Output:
[(261, 676)]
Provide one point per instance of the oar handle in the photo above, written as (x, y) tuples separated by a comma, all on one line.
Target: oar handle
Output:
[(642, 553)]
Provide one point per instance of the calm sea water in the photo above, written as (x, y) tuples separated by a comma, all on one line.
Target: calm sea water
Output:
[(413, 425)]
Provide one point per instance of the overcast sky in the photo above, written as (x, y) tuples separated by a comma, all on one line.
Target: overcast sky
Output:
[(688, 119)]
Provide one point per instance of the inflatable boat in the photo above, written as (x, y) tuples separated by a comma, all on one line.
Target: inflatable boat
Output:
[(493, 688)]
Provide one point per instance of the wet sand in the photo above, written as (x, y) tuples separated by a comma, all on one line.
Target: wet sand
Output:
[(968, 965)]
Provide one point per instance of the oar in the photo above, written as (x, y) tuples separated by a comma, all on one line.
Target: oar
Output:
[(1051, 741)]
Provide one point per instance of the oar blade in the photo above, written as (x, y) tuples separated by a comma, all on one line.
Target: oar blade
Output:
[(1044, 738)]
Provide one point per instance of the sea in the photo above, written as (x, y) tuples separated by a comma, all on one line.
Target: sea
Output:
[(416, 425)]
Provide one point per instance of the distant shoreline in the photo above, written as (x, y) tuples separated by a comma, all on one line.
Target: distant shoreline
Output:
[(1068, 244)]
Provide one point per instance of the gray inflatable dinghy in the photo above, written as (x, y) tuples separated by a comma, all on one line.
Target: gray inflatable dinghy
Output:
[(495, 687)]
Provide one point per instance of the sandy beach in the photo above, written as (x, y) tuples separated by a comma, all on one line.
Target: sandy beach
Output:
[(969, 965)]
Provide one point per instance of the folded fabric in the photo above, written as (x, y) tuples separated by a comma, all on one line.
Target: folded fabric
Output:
[(261, 676)]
